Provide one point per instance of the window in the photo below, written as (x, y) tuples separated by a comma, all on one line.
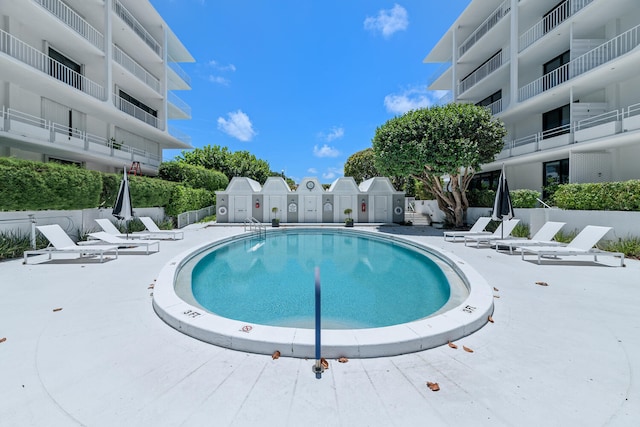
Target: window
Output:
[(554, 173), (555, 71), (64, 69), (137, 109), (490, 99), (495, 63), (555, 16), (556, 122), (485, 181)]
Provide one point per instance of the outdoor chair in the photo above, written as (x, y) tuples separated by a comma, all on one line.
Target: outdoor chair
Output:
[(504, 230), (476, 230), (104, 237), (154, 230), (60, 242), (108, 227), (544, 237), (582, 244)]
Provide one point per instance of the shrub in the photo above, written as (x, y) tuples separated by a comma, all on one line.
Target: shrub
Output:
[(193, 176), (185, 199), (615, 196), (481, 198), (524, 198)]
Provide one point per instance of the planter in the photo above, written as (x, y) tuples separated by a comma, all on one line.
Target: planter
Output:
[(275, 223), (348, 223)]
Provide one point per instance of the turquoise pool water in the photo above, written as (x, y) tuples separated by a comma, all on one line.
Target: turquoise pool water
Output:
[(367, 282)]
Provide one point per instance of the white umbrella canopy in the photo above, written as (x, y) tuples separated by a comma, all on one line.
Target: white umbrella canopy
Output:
[(502, 207), (123, 209)]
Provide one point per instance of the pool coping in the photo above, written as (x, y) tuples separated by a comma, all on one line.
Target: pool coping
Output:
[(430, 332)]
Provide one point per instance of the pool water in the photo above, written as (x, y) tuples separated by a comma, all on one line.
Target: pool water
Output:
[(366, 282)]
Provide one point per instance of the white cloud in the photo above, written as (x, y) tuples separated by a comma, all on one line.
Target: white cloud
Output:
[(230, 67), (336, 133), (411, 99), (332, 173), (325, 151), (218, 79), (238, 126), (388, 21), (312, 170)]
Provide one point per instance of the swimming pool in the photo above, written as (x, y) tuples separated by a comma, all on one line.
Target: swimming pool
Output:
[(367, 282), (467, 304)]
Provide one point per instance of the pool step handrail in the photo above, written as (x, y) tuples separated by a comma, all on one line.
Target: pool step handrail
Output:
[(252, 224)]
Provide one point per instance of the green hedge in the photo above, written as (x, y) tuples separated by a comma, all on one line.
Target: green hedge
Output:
[(29, 185), (612, 196), (193, 176), (524, 198)]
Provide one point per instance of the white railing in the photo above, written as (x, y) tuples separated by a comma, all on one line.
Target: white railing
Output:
[(179, 135), (632, 110), (550, 21), (135, 111), (67, 15), (487, 68), (178, 103), (589, 122), (606, 52), (90, 140), (136, 69), (38, 60), (191, 217), (439, 71), (495, 17), (179, 71), (526, 140), (495, 107), (137, 27)]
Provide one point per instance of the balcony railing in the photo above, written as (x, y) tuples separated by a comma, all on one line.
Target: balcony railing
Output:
[(487, 68), (495, 107), (136, 69), (179, 71), (179, 103), (550, 21), (28, 55), (534, 142), (606, 52), (63, 137), (495, 17), (137, 27), (134, 111), (179, 135), (67, 15)]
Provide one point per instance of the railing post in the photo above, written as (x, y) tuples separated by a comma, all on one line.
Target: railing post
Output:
[(32, 217)]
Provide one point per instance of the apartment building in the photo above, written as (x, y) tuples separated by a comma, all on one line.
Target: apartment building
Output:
[(564, 78), (90, 82)]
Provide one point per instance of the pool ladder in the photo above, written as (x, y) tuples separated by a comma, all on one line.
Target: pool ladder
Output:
[(252, 224)]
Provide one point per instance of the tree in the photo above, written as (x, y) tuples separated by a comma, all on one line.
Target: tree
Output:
[(361, 166), (239, 163), (434, 143)]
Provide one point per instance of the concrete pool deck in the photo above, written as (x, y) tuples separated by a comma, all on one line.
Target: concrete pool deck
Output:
[(559, 355)]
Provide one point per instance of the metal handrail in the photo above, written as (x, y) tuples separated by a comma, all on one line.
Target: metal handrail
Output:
[(252, 224)]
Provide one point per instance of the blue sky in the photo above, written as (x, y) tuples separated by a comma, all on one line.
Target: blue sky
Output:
[(304, 84)]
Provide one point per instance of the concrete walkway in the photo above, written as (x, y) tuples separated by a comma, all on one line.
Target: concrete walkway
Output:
[(566, 354)]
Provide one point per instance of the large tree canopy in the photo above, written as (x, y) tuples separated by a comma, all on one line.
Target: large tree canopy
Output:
[(361, 166), (239, 163), (428, 144)]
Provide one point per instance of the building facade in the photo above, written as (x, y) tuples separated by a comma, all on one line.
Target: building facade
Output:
[(90, 82), (562, 76)]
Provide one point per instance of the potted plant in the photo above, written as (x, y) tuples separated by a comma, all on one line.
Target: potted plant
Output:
[(348, 222), (275, 222)]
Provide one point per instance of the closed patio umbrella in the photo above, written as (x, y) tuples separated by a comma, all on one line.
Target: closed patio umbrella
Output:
[(123, 209), (502, 208)]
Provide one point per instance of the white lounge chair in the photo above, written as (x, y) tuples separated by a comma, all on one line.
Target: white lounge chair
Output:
[(108, 227), (504, 230), (60, 242), (476, 230), (102, 236), (582, 244), (544, 237), (154, 230)]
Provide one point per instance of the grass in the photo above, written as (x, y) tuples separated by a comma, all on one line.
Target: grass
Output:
[(13, 244)]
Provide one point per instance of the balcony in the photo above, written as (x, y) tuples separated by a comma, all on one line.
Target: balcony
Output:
[(599, 127), (493, 19), (606, 52), (134, 111), (136, 69), (32, 57), (175, 67), (51, 137), (557, 16), (74, 21), (178, 109), (495, 107), (137, 27), (483, 71)]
